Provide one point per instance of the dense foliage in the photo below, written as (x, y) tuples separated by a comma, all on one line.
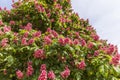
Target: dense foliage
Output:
[(46, 40)]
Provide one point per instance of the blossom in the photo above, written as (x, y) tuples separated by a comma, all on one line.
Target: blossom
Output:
[(81, 65), (43, 67), (4, 42), (61, 41), (1, 33), (43, 75), (12, 22), (47, 40), (83, 42), (31, 41), (1, 23), (6, 29), (39, 7), (55, 34), (39, 53), (96, 53), (58, 6), (77, 34), (115, 59), (26, 34), (28, 27), (66, 41), (76, 41), (30, 69), (65, 73), (37, 34), (19, 74), (90, 45), (24, 41), (49, 30), (95, 36), (51, 75), (110, 49)]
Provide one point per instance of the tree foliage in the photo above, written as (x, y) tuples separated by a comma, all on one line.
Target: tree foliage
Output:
[(46, 40)]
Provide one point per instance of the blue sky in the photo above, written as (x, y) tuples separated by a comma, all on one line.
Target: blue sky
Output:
[(104, 16)]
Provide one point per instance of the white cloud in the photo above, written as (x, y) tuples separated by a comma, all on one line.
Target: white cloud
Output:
[(104, 15)]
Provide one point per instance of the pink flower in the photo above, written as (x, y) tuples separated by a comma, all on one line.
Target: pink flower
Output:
[(81, 65), (39, 53), (95, 36), (12, 22), (65, 73), (24, 41), (66, 41), (30, 69), (76, 41), (47, 40), (110, 49), (61, 41), (19, 74), (51, 75), (28, 27), (13, 1), (49, 30), (37, 34), (31, 41), (96, 53), (4, 42), (6, 29), (1, 33), (55, 34), (116, 59), (0, 8), (58, 6), (26, 34), (83, 42), (43, 67), (1, 23), (90, 45), (43, 75), (48, 15), (77, 34), (39, 7)]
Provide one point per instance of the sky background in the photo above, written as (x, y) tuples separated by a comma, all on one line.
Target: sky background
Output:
[(103, 15)]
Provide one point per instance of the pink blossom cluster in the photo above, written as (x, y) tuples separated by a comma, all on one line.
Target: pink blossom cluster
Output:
[(39, 7), (6, 29), (81, 65), (110, 49), (19, 74), (39, 53), (51, 75), (43, 67), (43, 75), (1, 23), (64, 41), (30, 69), (95, 36), (115, 59), (53, 33), (28, 27), (4, 42), (37, 34), (58, 6), (12, 22), (47, 40), (90, 45), (65, 74)]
